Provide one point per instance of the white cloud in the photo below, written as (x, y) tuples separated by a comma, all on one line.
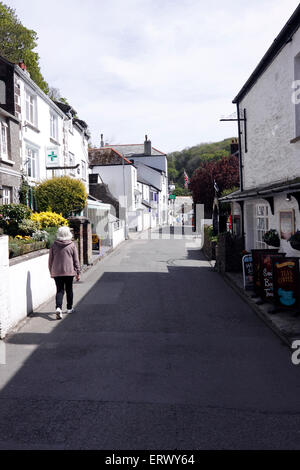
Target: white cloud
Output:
[(168, 68)]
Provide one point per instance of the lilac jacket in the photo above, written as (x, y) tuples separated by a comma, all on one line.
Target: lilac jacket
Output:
[(63, 259)]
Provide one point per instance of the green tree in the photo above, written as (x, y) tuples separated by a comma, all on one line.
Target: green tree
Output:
[(189, 159), (18, 42), (63, 195)]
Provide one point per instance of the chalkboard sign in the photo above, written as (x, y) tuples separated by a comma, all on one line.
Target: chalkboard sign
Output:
[(247, 271), (266, 274), (286, 282), (257, 266)]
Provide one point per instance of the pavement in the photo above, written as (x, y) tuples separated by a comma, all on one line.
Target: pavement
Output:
[(160, 354), (285, 324)]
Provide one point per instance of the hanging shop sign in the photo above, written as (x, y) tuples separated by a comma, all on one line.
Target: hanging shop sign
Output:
[(257, 267), (286, 282), (247, 263), (266, 273)]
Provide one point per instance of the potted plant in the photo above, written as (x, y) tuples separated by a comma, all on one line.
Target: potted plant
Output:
[(271, 238), (295, 240)]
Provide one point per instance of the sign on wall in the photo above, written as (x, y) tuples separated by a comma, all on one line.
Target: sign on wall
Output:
[(286, 282)]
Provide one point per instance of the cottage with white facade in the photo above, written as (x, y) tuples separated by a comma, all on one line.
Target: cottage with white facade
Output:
[(268, 115), (137, 177), (53, 141)]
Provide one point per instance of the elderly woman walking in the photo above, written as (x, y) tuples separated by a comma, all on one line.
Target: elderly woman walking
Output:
[(64, 266)]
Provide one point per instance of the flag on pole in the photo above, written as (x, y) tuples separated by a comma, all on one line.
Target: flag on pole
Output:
[(186, 179), (216, 186)]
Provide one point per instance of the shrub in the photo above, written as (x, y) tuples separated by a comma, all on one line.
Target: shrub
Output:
[(40, 236), (48, 219), (11, 216), (64, 195), (51, 232), (28, 227)]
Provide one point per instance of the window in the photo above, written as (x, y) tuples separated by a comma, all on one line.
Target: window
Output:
[(262, 224), (3, 140), (6, 195), (31, 109), (32, 156), (71, 126), (72, 163), (54, 126), (83, 170), (2, 92)]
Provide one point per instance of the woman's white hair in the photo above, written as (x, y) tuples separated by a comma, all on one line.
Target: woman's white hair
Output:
[(64, 233)]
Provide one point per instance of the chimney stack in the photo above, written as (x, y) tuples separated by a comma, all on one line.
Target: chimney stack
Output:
[(234, 146), (102, 141), (147, 146), (22, 64)]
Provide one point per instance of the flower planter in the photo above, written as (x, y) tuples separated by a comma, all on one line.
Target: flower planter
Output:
[(295, 245)]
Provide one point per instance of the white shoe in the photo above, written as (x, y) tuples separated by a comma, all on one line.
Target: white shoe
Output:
[(71, 310), (59, 314)]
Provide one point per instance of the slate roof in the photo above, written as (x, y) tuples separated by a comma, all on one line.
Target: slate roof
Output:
[(135, 149), (106, 156)]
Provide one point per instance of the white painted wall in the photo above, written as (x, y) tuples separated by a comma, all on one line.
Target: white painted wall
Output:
[(34, 287), (271, 122), (280, 203), (31, 280), (118, 237), (4, 284), (112, 175)]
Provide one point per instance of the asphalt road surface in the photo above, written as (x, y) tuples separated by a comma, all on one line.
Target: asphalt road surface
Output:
[(160, 354)]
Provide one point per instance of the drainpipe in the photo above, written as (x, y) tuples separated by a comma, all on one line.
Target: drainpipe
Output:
[(241, 169)]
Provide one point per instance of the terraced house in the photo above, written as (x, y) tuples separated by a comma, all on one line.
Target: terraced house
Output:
[(268, 113), (51, 140)]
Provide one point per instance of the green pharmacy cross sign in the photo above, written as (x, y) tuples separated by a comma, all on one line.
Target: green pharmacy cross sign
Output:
[(52, 156)]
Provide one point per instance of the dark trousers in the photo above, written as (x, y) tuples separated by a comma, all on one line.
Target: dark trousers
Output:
[(64, 283)]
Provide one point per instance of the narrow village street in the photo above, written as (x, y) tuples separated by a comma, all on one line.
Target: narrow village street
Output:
[(160, 354)]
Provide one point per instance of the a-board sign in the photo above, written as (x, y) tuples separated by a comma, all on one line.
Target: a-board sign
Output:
[(286, 282), (257, 266), (96, 242), (266, 274), (247, 271)]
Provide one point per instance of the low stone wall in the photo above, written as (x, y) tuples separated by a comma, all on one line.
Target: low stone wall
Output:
[(229, 253), (209, 247)]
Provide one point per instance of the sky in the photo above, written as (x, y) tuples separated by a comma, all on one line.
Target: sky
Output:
[(166, 68)]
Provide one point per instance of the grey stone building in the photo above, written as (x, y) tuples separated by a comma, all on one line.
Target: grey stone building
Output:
[(10, 158)]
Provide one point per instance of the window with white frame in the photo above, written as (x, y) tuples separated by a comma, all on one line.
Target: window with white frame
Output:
[(83, 169), (31, 108), (262, 224), (72, 163), (54, 126), (32, 161), (3, 140), (6, 195)]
